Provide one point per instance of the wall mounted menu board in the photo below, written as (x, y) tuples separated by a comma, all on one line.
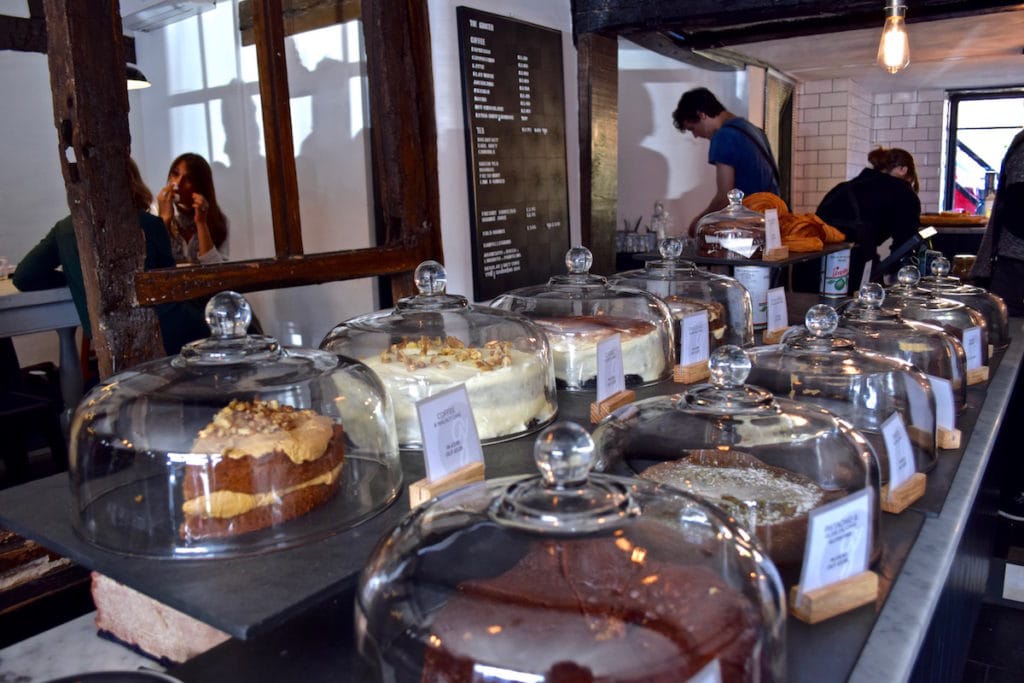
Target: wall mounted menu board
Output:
[(514, 101)]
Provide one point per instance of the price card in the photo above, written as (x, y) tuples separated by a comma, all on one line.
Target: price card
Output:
[(772, 235), (901, 453), (711, 673), (694, 341), (972, 347), (610, 377), (450, 439), (865, 277), (778, 315), (945, 408), (920, 402), (838, 541)]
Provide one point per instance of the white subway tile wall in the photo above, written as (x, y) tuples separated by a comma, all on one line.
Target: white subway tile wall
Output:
[(838, 122)]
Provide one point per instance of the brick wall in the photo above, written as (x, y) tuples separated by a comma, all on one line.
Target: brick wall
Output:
[(838, 122)]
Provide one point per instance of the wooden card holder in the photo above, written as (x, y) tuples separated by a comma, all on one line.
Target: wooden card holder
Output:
[(977, 375), (602, 409), (773, 336), (948, 439), (776, 254), (421, 491), (907, 493), (834, 599), (694, 372), (922, 438)]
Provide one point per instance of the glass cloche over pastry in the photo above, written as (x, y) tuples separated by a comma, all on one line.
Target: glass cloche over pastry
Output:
[(233, 447), (914, 303), (814, 365), (579, 310), (927, 347), (569, 575), (991, 306), (435, 341), (765, 460), (734, 232), (687, 290)]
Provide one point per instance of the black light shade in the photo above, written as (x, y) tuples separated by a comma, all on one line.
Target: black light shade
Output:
[(136, 79)]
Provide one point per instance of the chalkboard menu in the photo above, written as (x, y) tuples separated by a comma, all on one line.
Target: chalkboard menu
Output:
[(514, 101)]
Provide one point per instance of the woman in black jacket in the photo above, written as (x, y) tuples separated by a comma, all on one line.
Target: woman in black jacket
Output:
[(879, 203)]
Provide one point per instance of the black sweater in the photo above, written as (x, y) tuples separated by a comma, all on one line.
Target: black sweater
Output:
[(873, 207)]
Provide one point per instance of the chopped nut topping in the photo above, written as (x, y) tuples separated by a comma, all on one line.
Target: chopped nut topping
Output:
[(427, 352), (241, 418)]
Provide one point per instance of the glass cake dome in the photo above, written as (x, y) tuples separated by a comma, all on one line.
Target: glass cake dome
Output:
[(865, 388), (927, 347), (914, 303), (734, 232), (991, 306), (235, 446), (435, 341), (579, 310), (569, 575), (766, 461), (686, 289)]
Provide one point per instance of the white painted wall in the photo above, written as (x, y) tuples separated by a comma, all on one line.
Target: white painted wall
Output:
[(456, 229), (656, 161)]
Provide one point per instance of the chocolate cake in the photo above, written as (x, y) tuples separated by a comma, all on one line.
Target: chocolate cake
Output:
[(268, 463), (770, 501), (683, 306), (594, 610), (732, 240)]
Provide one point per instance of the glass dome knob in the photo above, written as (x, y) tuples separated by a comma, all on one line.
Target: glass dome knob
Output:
[(579, 260), (564, 453), (908, 275), (734, 196), (228, 314), (431, 278), (821, 320), (872, 295), (940, 266), (729, 366), (670, 249)]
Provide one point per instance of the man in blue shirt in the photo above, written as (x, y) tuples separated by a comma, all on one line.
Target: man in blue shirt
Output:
[(739, 150)]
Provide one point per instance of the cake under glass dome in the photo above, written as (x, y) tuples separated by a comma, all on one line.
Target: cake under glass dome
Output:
[(569, 575), (235, 446)]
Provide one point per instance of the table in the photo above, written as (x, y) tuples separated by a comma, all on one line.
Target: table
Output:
[(42, 311)]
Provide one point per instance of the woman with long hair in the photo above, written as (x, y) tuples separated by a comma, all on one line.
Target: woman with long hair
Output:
[(188, 207)]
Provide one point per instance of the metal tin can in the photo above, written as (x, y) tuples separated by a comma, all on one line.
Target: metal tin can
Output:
[(835, 274)]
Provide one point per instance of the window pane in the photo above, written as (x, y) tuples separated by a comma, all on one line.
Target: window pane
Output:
[(991, 113), (985, 127)]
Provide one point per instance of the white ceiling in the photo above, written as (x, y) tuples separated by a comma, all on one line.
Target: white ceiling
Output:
[(980, 51)]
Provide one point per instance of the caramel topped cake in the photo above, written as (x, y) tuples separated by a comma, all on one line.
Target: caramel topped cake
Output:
[(267, 463), (646, 353), (508, 389)]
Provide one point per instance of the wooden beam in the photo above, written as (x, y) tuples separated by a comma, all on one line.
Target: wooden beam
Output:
[(91, 115), (277, 128), (597, 65), (22, 34), (403, 131), (178, 284), (301, 16)]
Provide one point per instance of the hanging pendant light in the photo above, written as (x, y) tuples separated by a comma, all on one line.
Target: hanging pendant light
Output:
[(136, 79), (894, 47)]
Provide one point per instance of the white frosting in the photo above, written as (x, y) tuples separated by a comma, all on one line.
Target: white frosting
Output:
[(574, 350), (227, 504), (505, 399)]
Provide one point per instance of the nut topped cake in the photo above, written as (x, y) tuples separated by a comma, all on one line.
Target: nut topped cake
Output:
[(507, 387), (276, 463)]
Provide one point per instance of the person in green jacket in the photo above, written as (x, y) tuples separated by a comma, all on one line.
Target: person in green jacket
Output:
[(180, 322)]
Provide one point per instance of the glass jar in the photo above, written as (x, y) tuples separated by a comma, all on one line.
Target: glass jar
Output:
[(766, 461), (569, 575), (927, 347), (235, 446), (922, 305), (734, 232), (579, 310), (865, 388), (686, 289), (435, 341), (991, 306)]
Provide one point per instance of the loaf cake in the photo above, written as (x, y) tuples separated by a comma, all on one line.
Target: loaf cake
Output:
[(645, 351), (594, 610), (266, 464), (737, 240), (772, 502), (507, 388), (684, 306)]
